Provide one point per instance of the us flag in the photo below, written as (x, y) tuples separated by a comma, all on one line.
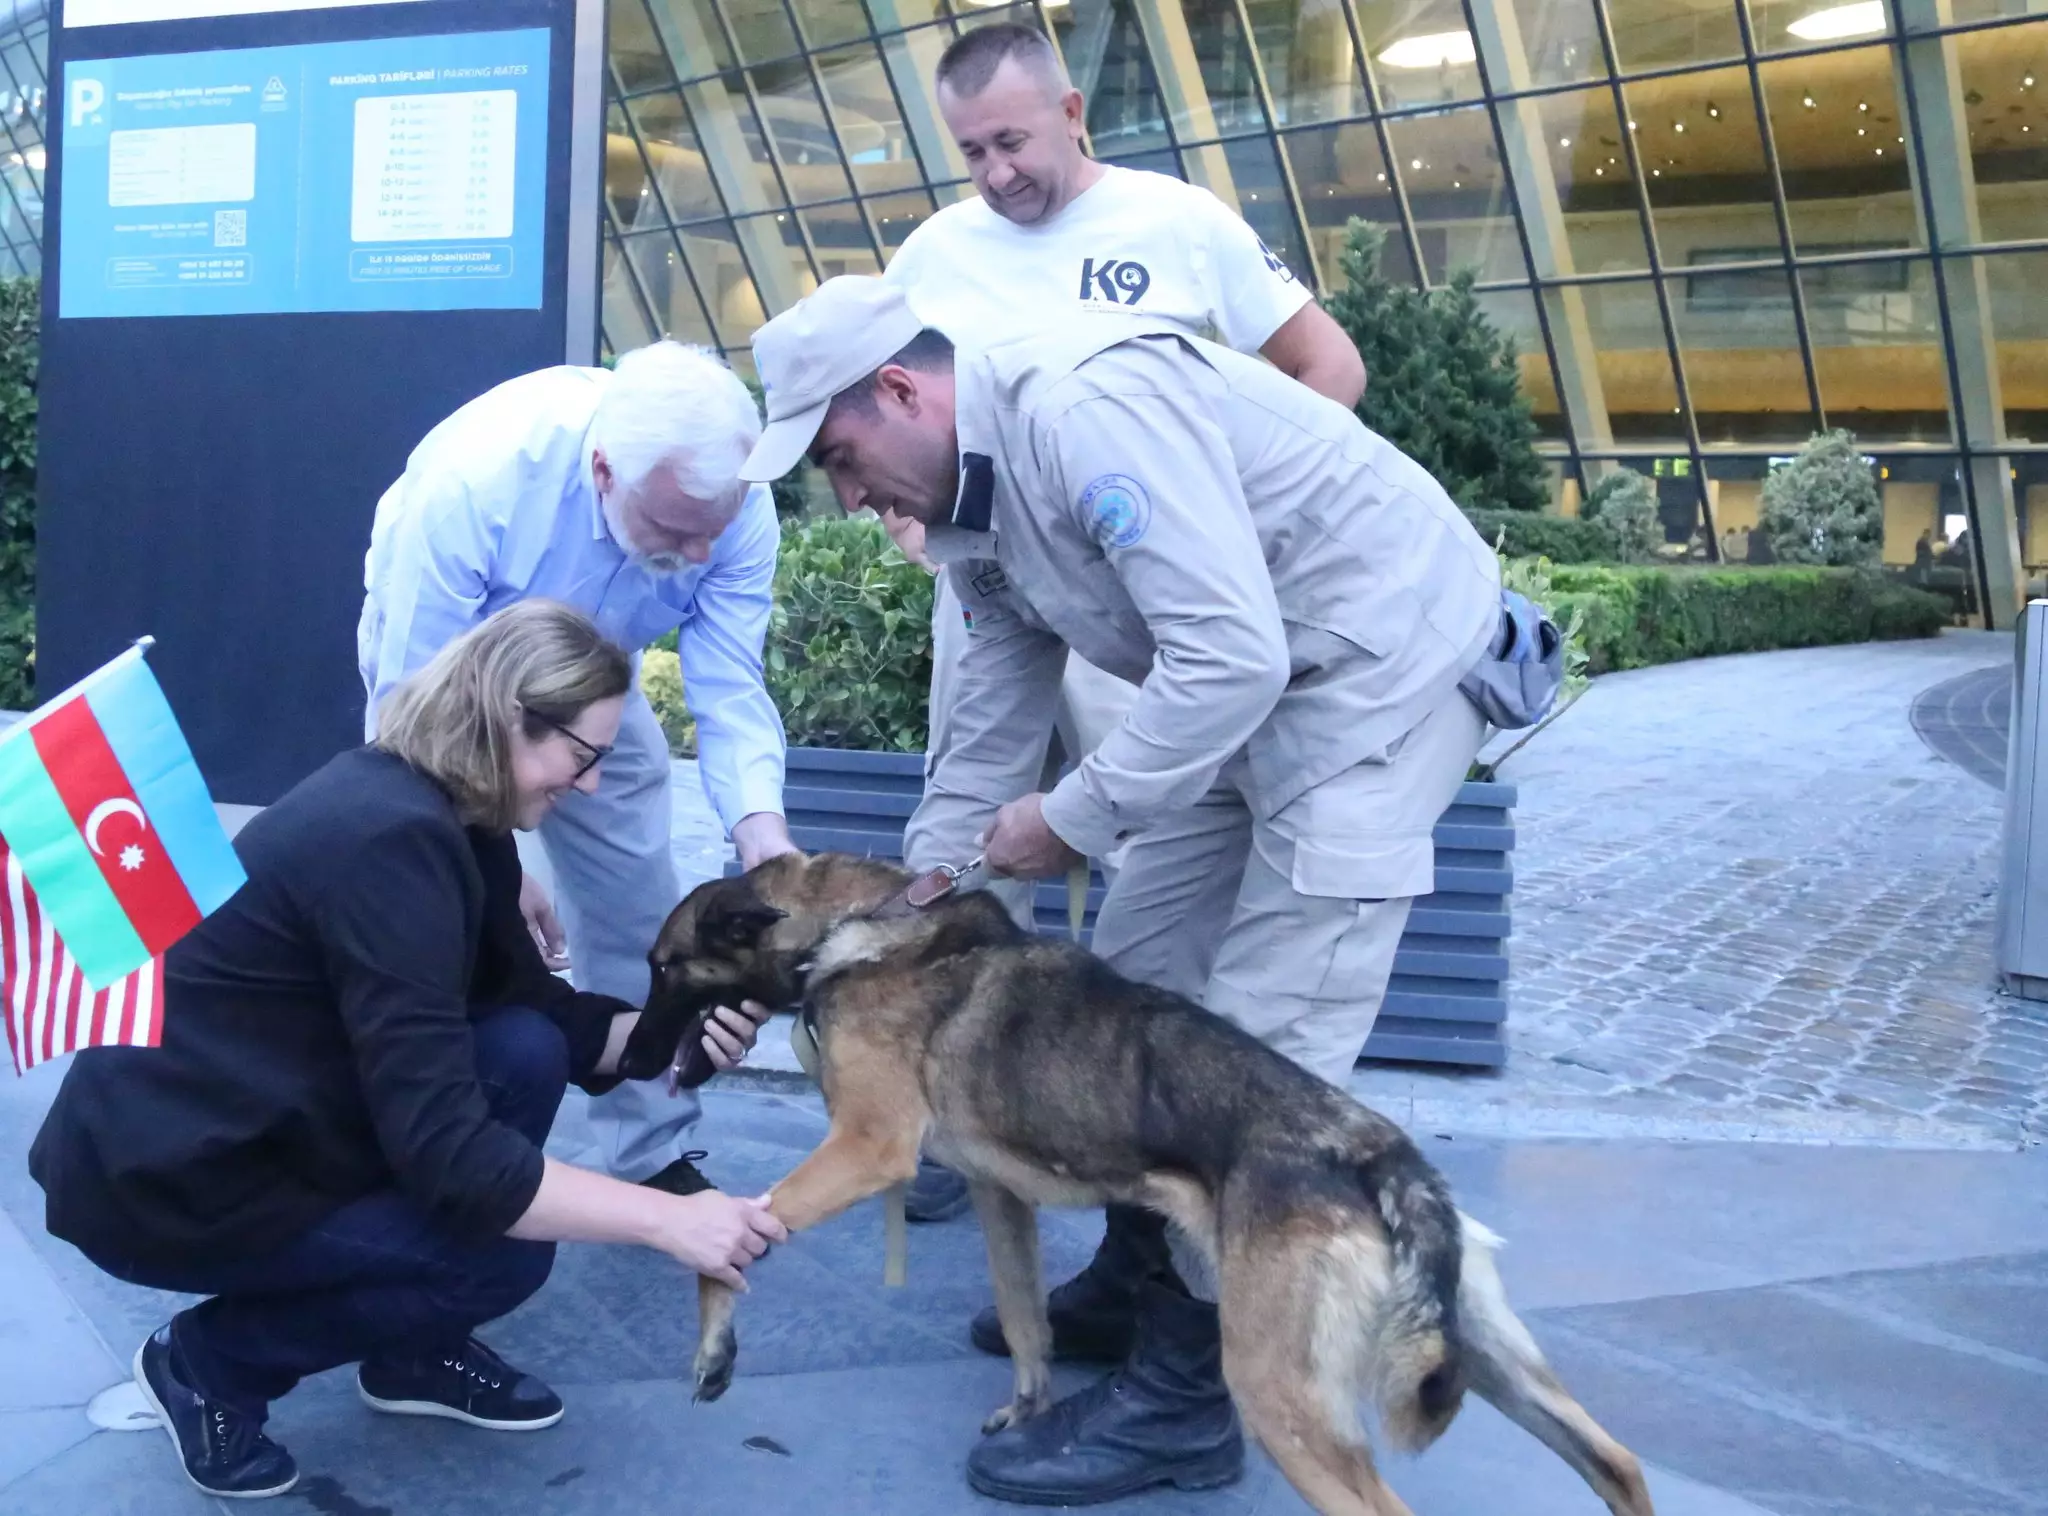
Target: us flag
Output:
[(51, 1010)]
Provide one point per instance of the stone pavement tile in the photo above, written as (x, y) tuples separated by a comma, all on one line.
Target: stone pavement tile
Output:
[(125, 1474), (1610, 1221), (50, 1356), (29, 1439), (1857, 1394), (878, 1442)]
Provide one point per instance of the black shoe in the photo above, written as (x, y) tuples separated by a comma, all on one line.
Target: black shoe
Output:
[(936, 1194), (1094, 1315), (1164, 1418), (681, 1177), (472, 1384), (224, 1451)]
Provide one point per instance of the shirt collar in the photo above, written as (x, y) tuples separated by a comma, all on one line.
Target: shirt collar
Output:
[(974, 434)]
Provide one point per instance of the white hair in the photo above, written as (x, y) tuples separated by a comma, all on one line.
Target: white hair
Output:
[(676, 405)]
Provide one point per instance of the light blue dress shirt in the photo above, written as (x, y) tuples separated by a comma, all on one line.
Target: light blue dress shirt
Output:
[(497, 504)]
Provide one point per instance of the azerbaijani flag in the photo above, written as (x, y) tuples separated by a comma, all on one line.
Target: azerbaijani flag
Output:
[(104, 808)]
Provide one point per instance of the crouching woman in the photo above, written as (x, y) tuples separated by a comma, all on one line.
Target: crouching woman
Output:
[(339, 1141)]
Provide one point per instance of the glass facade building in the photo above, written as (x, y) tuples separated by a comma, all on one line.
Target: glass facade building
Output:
[(1712, 227)]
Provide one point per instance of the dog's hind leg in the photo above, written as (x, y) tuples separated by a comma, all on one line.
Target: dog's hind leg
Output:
[(1504, 1367), (1306, 1424), (1009, 1225)]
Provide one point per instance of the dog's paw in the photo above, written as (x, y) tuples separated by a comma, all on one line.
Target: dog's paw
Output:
[(1017, 1412), (714, 1365)]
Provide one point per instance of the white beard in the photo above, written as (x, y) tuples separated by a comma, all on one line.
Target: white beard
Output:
[(654, 563)]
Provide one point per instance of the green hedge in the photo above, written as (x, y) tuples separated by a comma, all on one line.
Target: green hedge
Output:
[(21, 305), (1634, 617), (849, 652), (1561, 539)]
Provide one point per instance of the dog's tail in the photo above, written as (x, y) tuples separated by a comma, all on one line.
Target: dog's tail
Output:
[(1405, 1351)]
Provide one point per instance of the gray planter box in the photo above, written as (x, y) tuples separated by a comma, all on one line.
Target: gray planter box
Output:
[(1447, 1002)]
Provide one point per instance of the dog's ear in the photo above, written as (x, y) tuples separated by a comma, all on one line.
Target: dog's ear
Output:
[(735, 925)]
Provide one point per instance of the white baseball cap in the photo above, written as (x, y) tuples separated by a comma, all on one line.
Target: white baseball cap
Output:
[(827, 342)]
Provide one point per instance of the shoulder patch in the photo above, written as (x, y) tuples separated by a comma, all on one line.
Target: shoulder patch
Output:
[(1117, 509)]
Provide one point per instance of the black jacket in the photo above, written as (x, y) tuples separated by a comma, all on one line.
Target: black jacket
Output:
[(316, 1038)]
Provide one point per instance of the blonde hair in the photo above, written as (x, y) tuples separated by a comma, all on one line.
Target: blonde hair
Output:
[(533, 663)]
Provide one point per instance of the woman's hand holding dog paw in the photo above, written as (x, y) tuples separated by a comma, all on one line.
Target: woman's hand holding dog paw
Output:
[(729, 1034), (717, 1234)]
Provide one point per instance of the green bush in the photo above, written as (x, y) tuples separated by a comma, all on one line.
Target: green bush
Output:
[(1634, 617), (661, 680), (21, 312), (1561, 539), (849, 653), (1441, 380), (1626, 504), (1824, 506)]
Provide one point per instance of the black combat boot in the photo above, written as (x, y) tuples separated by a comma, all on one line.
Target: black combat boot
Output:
[(1094, 1315), (1163, 1418)]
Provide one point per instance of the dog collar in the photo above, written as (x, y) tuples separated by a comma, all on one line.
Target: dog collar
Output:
[(926, 890)]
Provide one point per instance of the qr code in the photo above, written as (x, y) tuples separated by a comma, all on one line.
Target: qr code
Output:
[(230, 228)]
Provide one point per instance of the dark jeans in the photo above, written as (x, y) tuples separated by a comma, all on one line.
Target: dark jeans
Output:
[(377, 1277)]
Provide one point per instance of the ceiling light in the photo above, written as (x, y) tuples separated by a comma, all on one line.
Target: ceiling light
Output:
[(1433, 50), (1564, 142), (1631, 126), (1838, 21), (1902, 141), (1656, 173), (2028, 82), (1863, 105), (1880, 152), (1456, 185), (1382, 178), (1808, 101), (1415, 163), (1678, 126), (1860, 132), (1713, 111), (1598, 172)]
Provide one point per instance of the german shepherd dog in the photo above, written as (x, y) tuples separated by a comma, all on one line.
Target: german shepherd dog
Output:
[(1045, 1078)]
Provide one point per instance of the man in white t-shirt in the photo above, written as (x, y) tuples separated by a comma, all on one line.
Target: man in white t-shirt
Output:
[(1055, 237)]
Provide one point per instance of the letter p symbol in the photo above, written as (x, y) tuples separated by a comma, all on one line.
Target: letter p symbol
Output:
[(87, 96)]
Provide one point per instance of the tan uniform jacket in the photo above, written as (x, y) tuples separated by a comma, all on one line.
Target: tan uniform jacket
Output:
[(1275, 576)]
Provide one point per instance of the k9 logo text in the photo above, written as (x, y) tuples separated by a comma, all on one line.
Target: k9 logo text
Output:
[(1120, 281)]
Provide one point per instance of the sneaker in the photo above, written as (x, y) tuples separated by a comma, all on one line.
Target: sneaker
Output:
[(472, 1385), (936, 1194), (224, 1451), (681, 1177)]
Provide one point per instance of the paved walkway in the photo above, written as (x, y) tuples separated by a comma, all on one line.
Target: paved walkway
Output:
[(1746, 885), (1776, 1331), (1967, 720)]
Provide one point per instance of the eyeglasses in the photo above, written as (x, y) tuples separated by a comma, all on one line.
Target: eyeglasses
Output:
[(598, 752)]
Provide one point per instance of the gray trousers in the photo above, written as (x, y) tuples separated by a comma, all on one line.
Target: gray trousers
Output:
[(607, 857), (1287, 925)]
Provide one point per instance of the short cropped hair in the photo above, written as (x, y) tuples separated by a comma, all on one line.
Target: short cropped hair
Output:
[(973, 57), (670, 405), (928, 352), (534, 663)]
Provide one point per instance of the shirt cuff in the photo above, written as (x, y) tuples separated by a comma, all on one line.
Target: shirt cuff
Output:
[(1089, 828), (755, 795)]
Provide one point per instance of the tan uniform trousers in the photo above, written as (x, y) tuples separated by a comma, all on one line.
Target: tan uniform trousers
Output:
[(1287, 926), (1091, 704)]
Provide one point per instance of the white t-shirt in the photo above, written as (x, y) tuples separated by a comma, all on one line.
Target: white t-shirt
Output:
[(1133, 241)]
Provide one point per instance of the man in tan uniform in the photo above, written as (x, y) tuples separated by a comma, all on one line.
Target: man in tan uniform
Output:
[(1299, 604)]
